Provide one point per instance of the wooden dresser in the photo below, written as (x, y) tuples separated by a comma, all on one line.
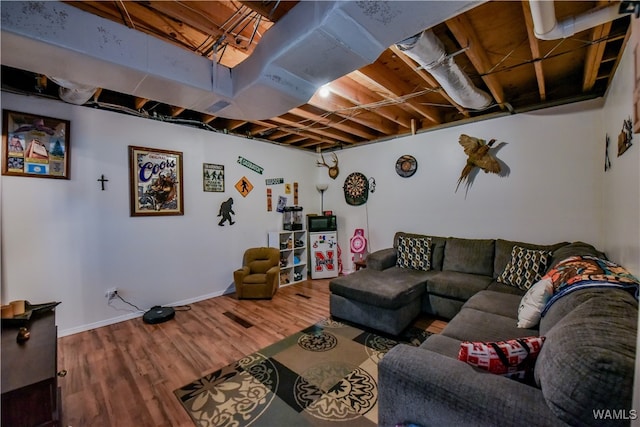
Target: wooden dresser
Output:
[(30, 393)]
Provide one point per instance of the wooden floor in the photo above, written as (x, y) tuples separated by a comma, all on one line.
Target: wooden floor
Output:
[(124, 374)]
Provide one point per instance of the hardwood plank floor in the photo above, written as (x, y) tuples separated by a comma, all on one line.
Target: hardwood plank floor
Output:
[(124, 374)]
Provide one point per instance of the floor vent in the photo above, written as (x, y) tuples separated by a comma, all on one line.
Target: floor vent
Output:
[(238, 319), (303, 295)]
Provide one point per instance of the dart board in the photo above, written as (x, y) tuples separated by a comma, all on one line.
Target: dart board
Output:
[(356, 189)]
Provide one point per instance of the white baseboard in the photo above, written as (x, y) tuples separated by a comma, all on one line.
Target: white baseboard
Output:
[(129, 316)]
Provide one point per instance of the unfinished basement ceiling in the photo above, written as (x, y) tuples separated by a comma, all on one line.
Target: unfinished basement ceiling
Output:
[(385, 96)]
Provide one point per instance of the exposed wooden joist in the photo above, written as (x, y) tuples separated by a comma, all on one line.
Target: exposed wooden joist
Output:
[(265, 130), (329, 119), (380, 75), (293, 139), (176, 111), (319, 145), (97, 94), (348, 110), (595, 52), (256, 130), (207, 118), (235, 124), (314, 128), (272, 10), (359, 95), (534, 45), (190, 14), (279, 135), (140, 102), (464, 33), (293, 124), (207, 17), (41, 82)]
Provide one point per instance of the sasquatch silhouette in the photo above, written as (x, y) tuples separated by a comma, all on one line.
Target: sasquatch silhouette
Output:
[(226, 209)]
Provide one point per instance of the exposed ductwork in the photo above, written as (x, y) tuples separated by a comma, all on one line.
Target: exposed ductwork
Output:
[(73, 92), (428, 51), (547, 27), (315, 43)]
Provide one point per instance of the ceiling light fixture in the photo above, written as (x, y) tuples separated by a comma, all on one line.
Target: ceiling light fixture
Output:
[(324, 90)]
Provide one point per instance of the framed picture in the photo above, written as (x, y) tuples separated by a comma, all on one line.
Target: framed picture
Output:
[(213, 177), (35, 146), (156, 182)]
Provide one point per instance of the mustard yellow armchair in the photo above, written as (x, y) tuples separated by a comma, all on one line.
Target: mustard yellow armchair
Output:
[(259, 275)]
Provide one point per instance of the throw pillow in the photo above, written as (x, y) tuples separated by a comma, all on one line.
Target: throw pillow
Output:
[(512, 358), (533, 302), (414, 253), (525, 268)]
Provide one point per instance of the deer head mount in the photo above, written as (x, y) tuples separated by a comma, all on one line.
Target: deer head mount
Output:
[(333, 170)]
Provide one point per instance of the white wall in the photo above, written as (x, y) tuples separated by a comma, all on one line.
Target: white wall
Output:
[(552, 192), (69, 241)]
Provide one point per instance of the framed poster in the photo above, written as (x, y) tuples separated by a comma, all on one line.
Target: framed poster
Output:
[(213, 177), (34, 145), (156, 182)]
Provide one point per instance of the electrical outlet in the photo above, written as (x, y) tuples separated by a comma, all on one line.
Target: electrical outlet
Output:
[(111, 293)]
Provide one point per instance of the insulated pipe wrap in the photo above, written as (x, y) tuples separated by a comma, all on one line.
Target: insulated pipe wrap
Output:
[(427, 50)]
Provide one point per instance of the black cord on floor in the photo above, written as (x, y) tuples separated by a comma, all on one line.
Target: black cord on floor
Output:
[(176, 308), (127, 302)]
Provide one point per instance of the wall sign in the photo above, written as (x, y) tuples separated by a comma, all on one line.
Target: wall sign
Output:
[(244, 186), (274, 181), (35, 146), (155, 182), (248, 164), (213, 178)]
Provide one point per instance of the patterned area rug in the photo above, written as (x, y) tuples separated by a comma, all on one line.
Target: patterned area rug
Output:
[(321, 375)]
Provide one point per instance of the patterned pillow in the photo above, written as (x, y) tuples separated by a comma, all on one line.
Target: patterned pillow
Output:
[(526, 267), (414, 253)]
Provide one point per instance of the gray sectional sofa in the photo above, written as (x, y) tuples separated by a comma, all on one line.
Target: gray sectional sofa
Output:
[(388, 298), (583, 375)]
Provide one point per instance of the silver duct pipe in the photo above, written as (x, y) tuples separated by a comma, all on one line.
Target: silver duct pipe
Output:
[(427, 50), (546, 26), (72, 92)]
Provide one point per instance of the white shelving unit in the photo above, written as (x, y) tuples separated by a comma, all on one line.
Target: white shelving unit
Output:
[(293, 254)]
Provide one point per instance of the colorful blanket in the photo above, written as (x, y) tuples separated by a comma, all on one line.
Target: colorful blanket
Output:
[(580, 272)]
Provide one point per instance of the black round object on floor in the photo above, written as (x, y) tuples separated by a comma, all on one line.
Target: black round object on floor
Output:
[(158, 314)]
